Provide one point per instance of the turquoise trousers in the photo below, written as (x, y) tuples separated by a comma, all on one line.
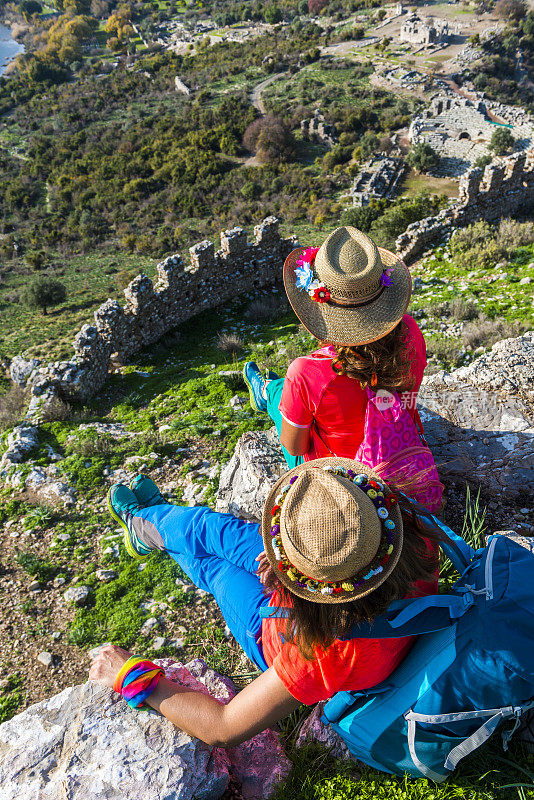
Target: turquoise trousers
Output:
[(274, 394)]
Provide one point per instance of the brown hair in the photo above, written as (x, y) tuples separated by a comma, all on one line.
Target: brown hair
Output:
[(316, 625), (384, 364)]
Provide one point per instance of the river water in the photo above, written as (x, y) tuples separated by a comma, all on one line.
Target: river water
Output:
[(9, 48)]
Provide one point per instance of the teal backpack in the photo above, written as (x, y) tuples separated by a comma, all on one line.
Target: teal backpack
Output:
[(470, 670)]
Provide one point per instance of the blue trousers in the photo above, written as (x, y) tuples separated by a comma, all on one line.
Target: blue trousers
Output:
[(218, 552)]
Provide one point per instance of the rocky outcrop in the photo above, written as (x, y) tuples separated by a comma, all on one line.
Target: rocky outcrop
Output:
[(245, 481), (86, 742), (479, 422)]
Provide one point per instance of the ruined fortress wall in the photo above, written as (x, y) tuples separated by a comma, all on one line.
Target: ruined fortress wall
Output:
[(503, 188), (153, 308)]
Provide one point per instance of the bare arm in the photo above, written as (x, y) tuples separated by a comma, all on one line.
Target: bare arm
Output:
[(262, 703), (295, 440)]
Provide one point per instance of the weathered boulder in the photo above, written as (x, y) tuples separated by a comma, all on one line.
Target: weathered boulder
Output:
[(245, 481), (20, 369), (478, 420), (86, 742), (20, 442)]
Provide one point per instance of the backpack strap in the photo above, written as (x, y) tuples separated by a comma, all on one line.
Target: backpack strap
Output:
[(413, 617), (454, 546), (403, 617)]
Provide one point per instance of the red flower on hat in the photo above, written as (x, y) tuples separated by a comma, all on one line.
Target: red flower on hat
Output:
[(275, 510), (321, 294), (391, 500)]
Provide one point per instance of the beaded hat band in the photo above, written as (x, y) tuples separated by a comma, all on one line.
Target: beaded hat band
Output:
[(332, 530)]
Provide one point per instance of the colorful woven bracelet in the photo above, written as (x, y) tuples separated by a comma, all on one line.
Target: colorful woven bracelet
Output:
[(136, 680)]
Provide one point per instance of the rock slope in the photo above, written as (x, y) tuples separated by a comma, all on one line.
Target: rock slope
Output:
[(86, 742)]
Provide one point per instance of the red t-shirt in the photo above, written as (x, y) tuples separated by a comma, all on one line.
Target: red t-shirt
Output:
[(314, 393), (344, 666)]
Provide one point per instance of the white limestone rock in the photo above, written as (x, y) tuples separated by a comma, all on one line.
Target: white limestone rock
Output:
[(20, 442), (254, 468), (86, 742), (20, 369)]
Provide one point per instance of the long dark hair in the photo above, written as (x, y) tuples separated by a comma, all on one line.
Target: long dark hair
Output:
[(316, 625), (384, 364)]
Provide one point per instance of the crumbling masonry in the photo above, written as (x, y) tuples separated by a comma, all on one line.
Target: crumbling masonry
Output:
[(152, 309), (503, 188)]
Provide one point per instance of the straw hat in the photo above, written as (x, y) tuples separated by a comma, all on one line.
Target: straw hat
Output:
[(367, 288), (332, 530)]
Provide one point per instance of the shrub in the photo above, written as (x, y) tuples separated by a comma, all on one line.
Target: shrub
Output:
[(266, 308), (12, 407), (422, 157), (502, 141), (484, 332), (43, 292), (230, 343), (56, 410)]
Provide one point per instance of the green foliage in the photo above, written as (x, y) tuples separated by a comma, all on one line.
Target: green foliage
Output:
[(402, 213), (11, 698), (502, 141), (483, 161), (43, 292), (422, 157), (35, 566)]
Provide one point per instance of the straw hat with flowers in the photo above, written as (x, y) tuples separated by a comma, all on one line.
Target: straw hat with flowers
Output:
[(348, 291), (332, 530)]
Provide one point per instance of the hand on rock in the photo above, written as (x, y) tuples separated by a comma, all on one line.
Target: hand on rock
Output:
[(264, 567), (107, 663)]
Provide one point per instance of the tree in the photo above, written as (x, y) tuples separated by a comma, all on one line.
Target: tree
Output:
[(43, 292), (29, 8), (35, 259), (483, 161), (422, 157), (502, 141), (369, 144), (271, 138), (514, 10), (272, 15), (316, 6)]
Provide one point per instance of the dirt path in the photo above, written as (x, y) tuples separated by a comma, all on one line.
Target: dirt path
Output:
[(255, 94)]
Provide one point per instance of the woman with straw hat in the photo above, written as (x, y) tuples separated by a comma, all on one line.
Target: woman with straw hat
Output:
[(352, 296), (333, 548)]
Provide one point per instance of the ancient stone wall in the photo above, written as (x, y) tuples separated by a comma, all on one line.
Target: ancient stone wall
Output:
[(503, 188), (152, 308)]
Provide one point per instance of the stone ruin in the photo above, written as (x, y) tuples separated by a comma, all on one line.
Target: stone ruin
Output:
[(460, 130), (318, 130), (502, 188), (416, 31), (153, 308), (379, 177)]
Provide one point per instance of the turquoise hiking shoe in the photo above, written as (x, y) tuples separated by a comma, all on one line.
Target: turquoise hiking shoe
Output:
[(123, 504), (255, 382), (146, 491)]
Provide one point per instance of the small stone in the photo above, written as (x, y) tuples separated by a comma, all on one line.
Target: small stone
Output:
[(78, 595), (4, 683), (525, 511), (56, 635), (177, 644), (59, 581), (158, 643), (149, 625), (63, 537), (141, 567), (45, 658), (34, 586), (525, 281), (106, 575)]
